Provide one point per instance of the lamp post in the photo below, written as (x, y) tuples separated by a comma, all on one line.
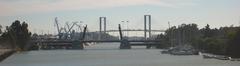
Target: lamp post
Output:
[(123, 28), (126, 26)]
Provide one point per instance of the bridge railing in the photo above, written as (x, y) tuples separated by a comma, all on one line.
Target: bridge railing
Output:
[(70, 41)]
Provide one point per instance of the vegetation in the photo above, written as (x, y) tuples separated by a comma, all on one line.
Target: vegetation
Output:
[(0, 29), (223, 41), (16, 36), (233, 47)]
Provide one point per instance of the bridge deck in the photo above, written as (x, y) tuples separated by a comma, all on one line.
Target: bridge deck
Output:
[(135, 30), (70, 41)]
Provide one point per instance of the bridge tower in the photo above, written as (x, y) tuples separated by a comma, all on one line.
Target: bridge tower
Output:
[(102, 21), (147, 19)]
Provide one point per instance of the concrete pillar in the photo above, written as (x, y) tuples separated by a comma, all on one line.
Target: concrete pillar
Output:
[(145, 27), (77, 45), (125, 44), (149, 25), (105, 26), (100, 28), (148, 46), (81, 45), (103, 21), (100, 24)]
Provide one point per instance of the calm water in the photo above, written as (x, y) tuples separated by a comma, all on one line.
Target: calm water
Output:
[(108, 55)]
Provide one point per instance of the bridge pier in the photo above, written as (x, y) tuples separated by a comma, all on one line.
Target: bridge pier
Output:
[(78, 45), (148, 46), (125, 44)]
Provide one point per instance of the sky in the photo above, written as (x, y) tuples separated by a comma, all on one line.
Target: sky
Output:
[(40, 14)]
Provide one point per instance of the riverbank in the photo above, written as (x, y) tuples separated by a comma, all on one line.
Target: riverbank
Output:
[(219, 57), (4, 53)]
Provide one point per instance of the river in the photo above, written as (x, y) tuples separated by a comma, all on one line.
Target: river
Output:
[(109, 55)]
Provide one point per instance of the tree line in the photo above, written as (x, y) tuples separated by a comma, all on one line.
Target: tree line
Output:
[(222, 41), (15, 36)]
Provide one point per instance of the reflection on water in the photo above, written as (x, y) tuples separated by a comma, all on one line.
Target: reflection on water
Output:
[(108, 55)]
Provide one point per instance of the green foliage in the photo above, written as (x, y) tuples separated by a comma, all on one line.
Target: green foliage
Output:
[(184, 34), (234, 46), (224, 41), (164, 42), (17, 35), (207, 32), (0, 29), (214, 45)]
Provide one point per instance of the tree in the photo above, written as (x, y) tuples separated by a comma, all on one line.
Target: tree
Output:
[(223, 41), (17, 34), (234, 46), (207, 31), (164, 41), (0, 29), (184, 34)]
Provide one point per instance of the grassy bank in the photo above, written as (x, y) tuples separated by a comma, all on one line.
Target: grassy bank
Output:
[(4, 53)]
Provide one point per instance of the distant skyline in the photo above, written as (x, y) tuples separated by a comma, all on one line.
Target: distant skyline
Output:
[(40, 14)]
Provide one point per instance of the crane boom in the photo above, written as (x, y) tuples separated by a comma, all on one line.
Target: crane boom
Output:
[(56, 22), (70, 28)]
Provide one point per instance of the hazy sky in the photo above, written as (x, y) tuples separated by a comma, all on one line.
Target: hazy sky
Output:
[(40, 14)]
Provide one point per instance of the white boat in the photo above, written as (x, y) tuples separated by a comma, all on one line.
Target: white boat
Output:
[(208, 56)]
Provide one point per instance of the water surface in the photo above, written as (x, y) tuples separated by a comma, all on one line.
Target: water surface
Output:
[(108, 55)]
